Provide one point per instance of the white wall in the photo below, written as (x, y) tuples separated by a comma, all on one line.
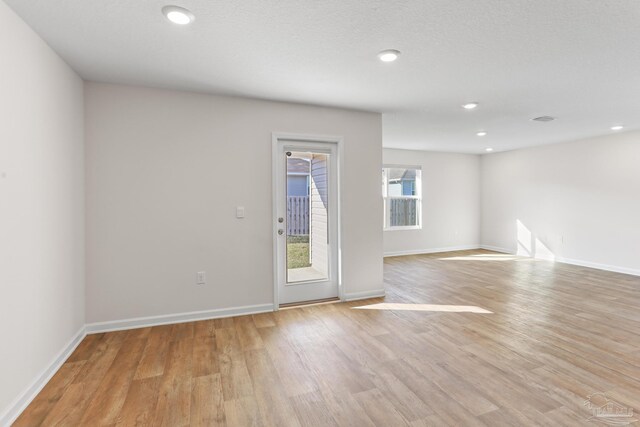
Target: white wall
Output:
[(579, 200), (165, 171), (450, 203), (41, 207)]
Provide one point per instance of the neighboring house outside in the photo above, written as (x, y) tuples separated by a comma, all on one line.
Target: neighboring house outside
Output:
[(402, 182), (298, 173)]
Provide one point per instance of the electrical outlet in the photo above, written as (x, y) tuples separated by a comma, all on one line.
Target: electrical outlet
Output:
[(201, 278)]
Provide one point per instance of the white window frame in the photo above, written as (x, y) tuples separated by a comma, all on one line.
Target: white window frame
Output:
[(387, 206)]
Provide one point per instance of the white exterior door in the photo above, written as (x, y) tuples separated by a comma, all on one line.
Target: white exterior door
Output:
[(306, 220)]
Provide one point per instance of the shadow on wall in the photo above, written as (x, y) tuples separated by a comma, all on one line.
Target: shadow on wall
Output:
[(527, 246), (530, 246)]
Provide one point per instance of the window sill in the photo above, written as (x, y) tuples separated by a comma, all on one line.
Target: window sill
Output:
[(409, 227)]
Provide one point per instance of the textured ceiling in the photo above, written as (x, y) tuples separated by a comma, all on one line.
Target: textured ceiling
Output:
[(578, 60)]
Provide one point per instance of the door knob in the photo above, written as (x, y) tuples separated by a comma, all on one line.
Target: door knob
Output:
[(280, 232)]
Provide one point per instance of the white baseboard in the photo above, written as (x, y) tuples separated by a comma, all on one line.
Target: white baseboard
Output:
[(354, 296), (498, 249), (578, 262), (141, 322), (431, 251), (605, 267), (24, 399)]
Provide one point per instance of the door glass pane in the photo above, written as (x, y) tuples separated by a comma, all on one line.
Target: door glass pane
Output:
[(307, 216)]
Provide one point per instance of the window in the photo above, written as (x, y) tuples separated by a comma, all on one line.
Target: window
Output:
[(402, 193)]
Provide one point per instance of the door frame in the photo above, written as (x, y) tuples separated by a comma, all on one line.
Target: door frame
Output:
[(277, 137)]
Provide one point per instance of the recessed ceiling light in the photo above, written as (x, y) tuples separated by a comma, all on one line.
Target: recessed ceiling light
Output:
[(488, 150), (543, 119), (481, 133), (617, 127), (389, 55), (470, 105), (178, 15)]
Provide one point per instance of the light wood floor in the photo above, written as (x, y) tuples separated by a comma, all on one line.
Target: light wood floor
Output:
[(555, 335)]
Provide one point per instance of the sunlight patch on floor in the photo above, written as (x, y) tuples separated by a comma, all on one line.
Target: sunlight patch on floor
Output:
[(425, 307)]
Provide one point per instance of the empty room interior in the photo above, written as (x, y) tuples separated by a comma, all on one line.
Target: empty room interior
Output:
[(319, 213)]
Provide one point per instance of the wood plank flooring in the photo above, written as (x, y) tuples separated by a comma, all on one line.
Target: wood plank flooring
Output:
[(547, 336)]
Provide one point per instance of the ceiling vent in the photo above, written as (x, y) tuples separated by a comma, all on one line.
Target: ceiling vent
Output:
[(544, 119)]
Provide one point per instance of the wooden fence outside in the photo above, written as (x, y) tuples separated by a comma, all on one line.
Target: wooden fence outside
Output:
[(297, 215), (404, 212)]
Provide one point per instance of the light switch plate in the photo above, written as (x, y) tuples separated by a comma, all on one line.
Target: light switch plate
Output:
[(201, 278), (240, 212)]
